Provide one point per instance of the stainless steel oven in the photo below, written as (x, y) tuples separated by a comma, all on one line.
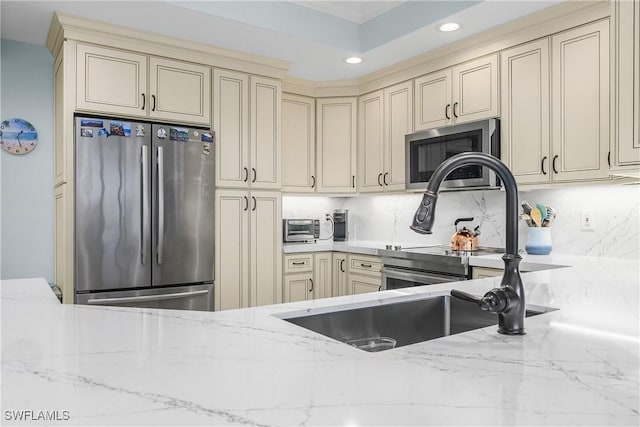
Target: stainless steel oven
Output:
[(426, 150), (404, 272)]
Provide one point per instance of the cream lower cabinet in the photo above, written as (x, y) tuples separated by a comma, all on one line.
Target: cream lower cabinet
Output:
[(307, 276), (364, 274), (336, 123), (246, 117), (626, 125), (298, 287), (464, 93), (63, 257), (298, 144), (385, 117), (339, 281), (248, 252), (131, 84)]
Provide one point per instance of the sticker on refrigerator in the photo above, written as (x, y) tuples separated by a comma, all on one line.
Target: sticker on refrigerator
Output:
[(87, 133), (102, 131), (162, 134), (140, 130), (91, 123), (179, 134), (120, 129), (206, 148), (206, 137)]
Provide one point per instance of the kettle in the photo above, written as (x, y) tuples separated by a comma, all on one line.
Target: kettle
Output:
[(465, 239)]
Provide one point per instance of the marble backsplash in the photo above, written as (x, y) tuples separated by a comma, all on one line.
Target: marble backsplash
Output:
[(386, 218)]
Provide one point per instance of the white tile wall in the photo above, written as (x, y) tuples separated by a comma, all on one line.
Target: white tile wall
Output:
[(615, 211)]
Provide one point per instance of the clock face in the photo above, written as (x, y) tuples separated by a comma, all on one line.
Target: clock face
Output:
[(18, 136)]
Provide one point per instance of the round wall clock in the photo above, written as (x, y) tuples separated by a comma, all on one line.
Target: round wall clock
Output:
[(18, 136)]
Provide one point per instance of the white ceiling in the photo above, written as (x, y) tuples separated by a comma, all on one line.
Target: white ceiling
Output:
[(314, 36)]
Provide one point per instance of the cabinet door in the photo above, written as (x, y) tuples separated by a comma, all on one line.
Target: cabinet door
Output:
[(398, 122), (231, 249), (180, 91), (580, 103), (265, 133), (475, 90), (231, 123), (371, 142), (433, 100), (266, 248), (363, 284), (525, 111), (298, 144), (298, 287), (339, 283), (336, 145), (322, 275), (60, 236), (111, 81), (627, 123)]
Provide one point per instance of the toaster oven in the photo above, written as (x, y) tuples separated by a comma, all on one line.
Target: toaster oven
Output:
[(300, 230)]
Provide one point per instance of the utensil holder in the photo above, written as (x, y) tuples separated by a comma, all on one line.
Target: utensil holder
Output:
[(538, 241)]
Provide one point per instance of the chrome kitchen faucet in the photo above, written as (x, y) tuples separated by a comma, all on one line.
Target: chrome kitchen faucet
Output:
[(507, 300)]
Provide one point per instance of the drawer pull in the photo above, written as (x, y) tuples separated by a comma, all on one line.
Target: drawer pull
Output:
[(311, 280), (365, 265), (299, 263)]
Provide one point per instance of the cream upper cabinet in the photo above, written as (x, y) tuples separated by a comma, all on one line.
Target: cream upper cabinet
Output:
[(115, 81), (231, 123), (626, 126), (464, 93), (525, 138), (111, 81), (339, 283), (179, 91), (580, 103), (298, 144), (231, 249), (385, 117), (246, 118), (336, 145), (371, 142), (248, 251), (266, 248)]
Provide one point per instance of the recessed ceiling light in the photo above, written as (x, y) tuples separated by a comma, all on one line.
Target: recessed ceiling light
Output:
[(353, 60), (449, 26)]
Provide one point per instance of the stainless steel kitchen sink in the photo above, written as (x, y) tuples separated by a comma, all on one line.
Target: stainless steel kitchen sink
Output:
[(385, 326)]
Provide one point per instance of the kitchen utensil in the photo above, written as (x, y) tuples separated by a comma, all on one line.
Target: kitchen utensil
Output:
[(527, 219), (551, 215), (543, 210), (526, 207), (465, 239), (536, 216)]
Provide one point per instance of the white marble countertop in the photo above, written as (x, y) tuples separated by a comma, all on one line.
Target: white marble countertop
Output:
[(112, 366)]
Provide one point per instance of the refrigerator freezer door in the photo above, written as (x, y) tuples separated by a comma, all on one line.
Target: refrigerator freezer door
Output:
[(112, 221), (182, 205), (197, 297)]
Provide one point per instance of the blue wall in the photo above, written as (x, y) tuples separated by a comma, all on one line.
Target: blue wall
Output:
[(26, 181)]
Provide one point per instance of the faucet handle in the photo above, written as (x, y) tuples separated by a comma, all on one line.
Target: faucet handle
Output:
[(495, 300)]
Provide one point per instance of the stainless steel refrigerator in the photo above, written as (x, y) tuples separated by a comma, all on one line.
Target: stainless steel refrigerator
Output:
[(144, 207)]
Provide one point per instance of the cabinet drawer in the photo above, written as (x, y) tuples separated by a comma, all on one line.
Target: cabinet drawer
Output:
[(298, 263), (363, 264)]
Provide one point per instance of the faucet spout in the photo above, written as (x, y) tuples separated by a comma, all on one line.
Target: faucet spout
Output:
[(508, 299)]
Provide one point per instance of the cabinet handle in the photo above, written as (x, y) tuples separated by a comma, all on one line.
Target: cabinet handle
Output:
[(144, 101), (298, 263), (255, 174), (542, 165), (446, 111), (379, 288), (255, 203), (353, 181), (455, 114), (311, 290), (246, 174), (609, 159), (379, 179), (365, 265), (553, 164), (246, 203), (153, 98), (385, 178), (314, 181), (342, 266)]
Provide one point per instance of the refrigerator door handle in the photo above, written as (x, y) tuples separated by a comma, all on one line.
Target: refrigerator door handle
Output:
[(146, 297), (160, 247), (145, 204)]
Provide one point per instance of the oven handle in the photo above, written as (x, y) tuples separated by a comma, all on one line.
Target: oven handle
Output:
[(426, 278)]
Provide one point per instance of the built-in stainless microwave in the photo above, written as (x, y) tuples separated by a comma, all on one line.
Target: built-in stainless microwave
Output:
[(425, 150), (300, 230)]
